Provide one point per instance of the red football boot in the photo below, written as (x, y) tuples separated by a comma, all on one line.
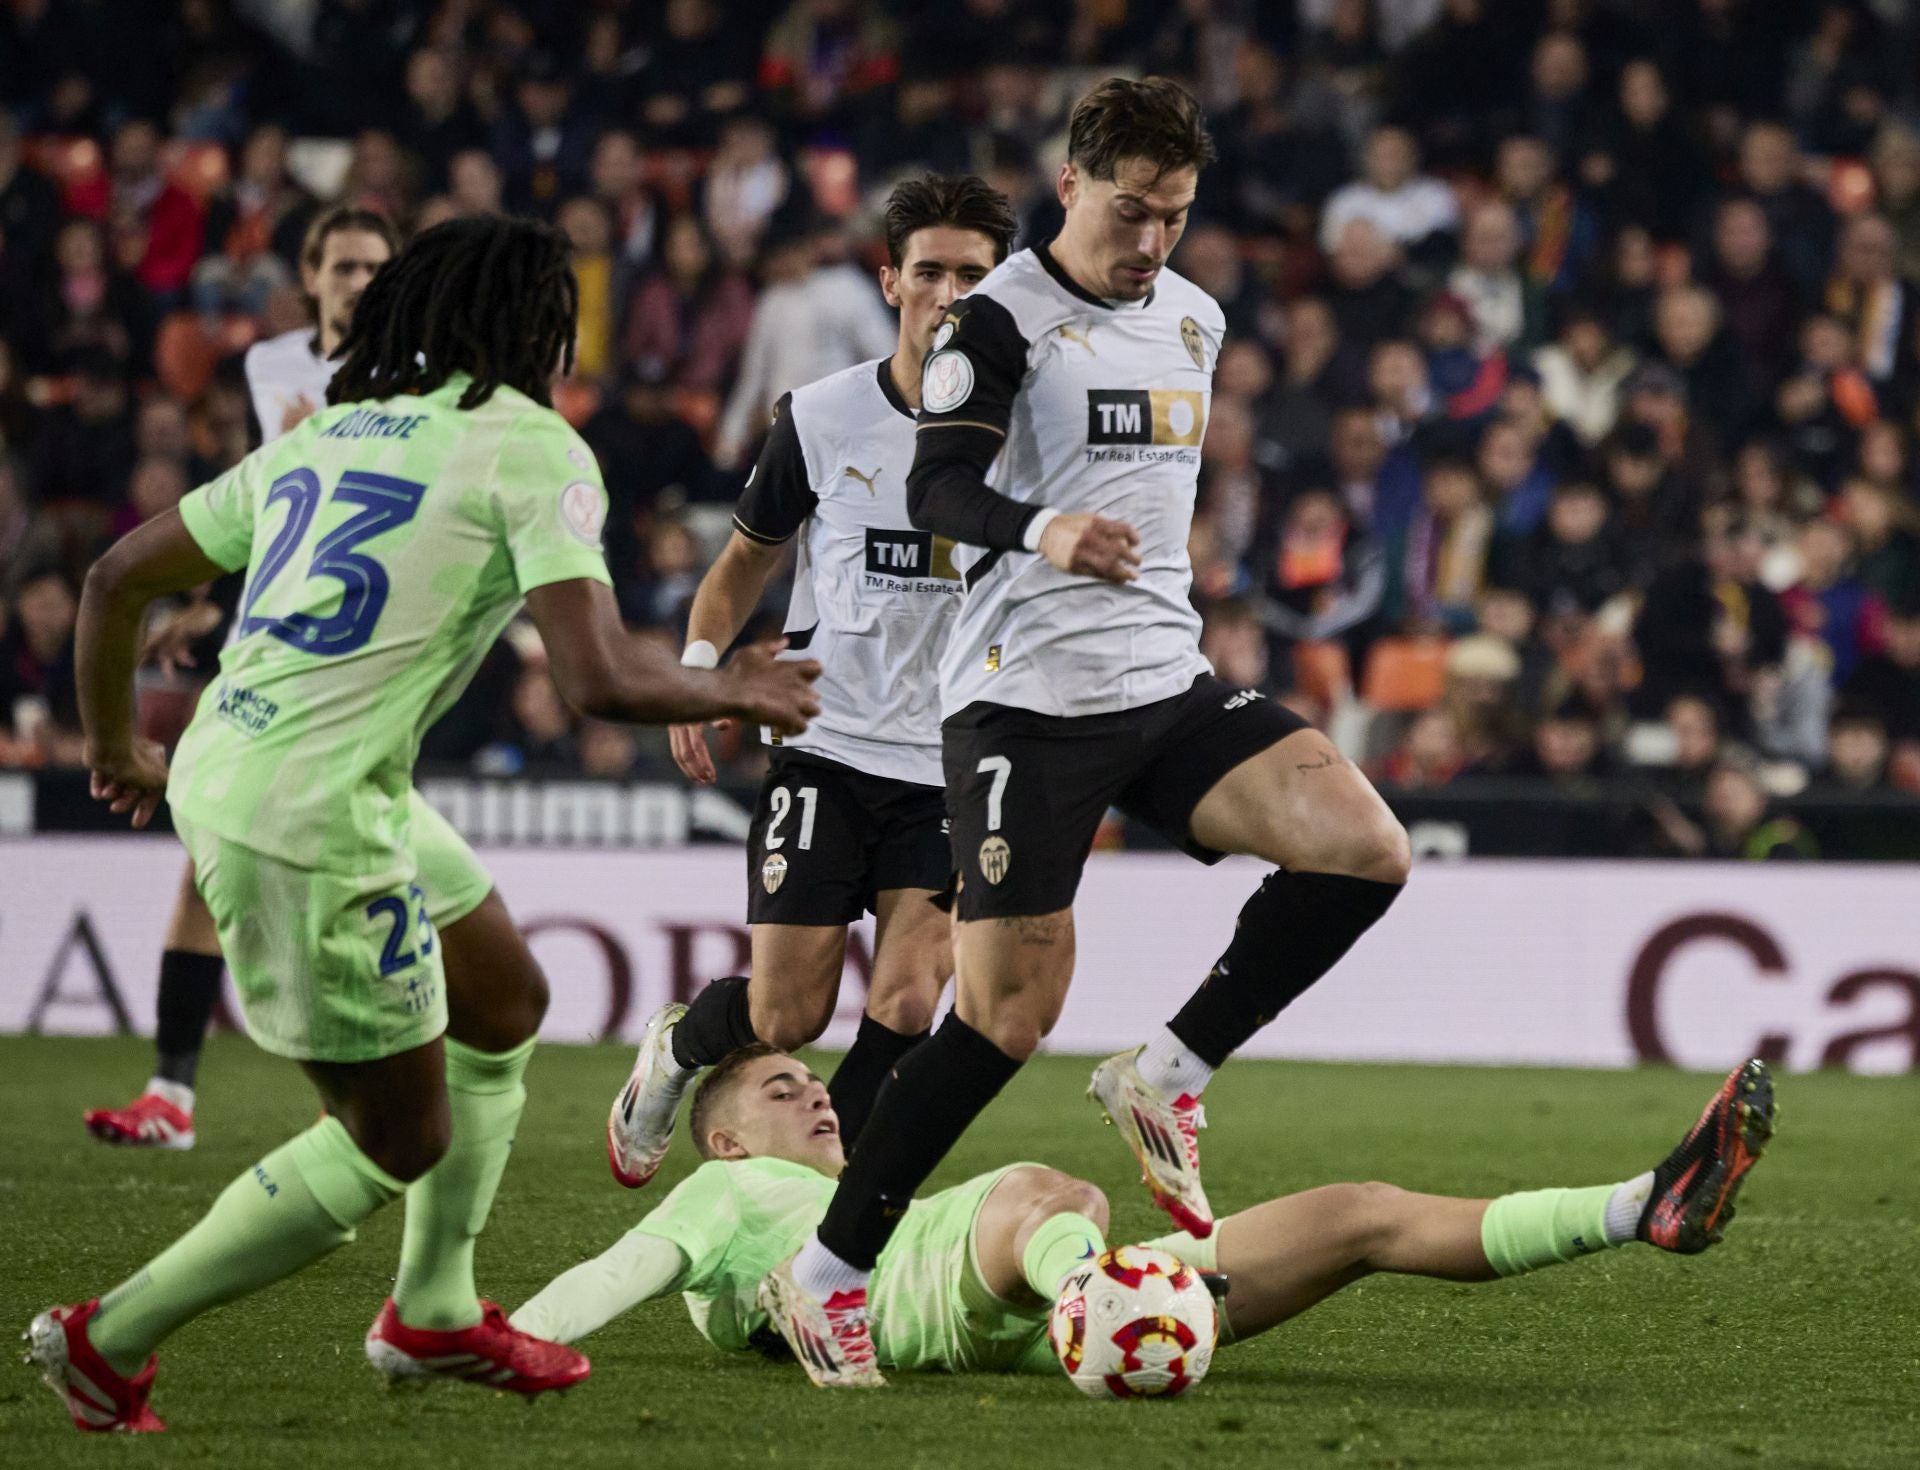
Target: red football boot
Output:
[(492, 1353), (97, 1398)]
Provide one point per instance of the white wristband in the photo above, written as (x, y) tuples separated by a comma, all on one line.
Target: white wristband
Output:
[(700, 654), (1031, 540)]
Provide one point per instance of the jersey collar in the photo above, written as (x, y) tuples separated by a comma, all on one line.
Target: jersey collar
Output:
[(890, 389), (1044, 255)]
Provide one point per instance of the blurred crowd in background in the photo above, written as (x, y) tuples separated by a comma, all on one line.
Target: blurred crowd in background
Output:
[(1566, 428)]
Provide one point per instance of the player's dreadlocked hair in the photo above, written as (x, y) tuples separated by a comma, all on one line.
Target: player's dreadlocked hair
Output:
[(491, 297)]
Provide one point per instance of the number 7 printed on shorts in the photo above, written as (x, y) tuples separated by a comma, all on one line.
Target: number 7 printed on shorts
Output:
[(995, 856)]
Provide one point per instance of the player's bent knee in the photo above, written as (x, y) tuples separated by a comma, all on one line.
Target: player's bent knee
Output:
[(406, 1153), (1378, 851), (1370, 1213), (907, 1009)]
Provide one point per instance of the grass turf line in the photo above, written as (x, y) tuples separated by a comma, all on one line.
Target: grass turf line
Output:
[(1793, 1344)]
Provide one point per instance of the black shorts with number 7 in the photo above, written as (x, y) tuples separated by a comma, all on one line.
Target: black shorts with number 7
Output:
[(1026, 792)]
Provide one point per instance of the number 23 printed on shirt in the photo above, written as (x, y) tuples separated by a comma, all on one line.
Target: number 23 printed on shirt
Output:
[(387, 503)]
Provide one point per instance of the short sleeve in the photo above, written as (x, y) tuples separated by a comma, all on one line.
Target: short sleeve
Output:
[(219, 516), (701, 1217), (975, 370), (551, 504), (779, 494)]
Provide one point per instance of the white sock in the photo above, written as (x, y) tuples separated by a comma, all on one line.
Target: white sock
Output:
[(1625, 1206), (177, 1093), (1168, 1065), (677, 1076), (820, 1273)]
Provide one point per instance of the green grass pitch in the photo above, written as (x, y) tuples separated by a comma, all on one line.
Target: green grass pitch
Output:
[(1795, 1344)]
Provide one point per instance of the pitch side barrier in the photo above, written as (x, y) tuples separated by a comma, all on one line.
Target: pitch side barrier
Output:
[(1494, 961)]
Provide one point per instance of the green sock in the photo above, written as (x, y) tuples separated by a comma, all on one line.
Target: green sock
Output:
[(1545, 1227), (299, 1202), (1061, 1243), (447, 1206)]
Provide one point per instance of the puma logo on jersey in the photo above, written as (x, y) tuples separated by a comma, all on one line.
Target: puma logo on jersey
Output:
[(1081, 337), (1244, 698), (866, 480)]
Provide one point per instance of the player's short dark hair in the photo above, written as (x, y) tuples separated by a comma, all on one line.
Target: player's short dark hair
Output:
[(960, 202), (484, 295), (719, 1085), (1154, 118), (340, 218)]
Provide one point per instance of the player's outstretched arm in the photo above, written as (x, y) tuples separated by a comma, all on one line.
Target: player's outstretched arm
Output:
[(157, 558), (636, 1268), (726, 598), (604, 671)]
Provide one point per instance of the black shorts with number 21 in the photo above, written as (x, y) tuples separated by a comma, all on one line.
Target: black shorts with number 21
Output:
[(1026, 792), (827, 840)]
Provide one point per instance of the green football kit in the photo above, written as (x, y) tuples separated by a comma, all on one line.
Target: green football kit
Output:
[(387, 546), (735, 1220)]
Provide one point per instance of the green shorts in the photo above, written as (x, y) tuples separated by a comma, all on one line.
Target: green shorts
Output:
[(332, 967), (930, 1306)]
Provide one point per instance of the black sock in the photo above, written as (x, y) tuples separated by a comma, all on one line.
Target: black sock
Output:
[(189, 991), (939, 1088), (716, 1025), (856, 1081), (1291, 932)]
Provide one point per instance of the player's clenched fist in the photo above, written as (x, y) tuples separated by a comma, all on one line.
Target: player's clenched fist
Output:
[(1088, 545), (772, 691)]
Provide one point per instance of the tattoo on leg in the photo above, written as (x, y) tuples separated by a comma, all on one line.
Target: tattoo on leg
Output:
[(1040, 929), (1326, 758)]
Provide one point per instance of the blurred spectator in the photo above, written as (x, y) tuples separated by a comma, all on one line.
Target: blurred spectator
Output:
[(590, 233), (1772, 172), (1773, 502), (167, 217), (1896, 182), (1581, 373), (1482, 674), (156, 485), (1278, 157), (475, 184), (1566, 747), (545, 727), (379, 176), (1370, 300), (1452, 67), (1559, 232), (745, 184), (254, 230), (1648, 168), (1888, 683), (648, 456), (1440, 566), (1314, 376), (438, 121), (1233, 640), (1708, 623), (1430, 754), (1886, 533), (632, 211), (1857, 751), (1571, 563), (690, 317), (83, 452), (543, 138), (1209, 256), (607, 751), (1738, 823), (1411, 211), (1879, 307), (1509, 311), (1829, 602), (1759, 301), (1232, 488), (1322, 576), (1686, 329), (1693, 726), (814, 316), (822, 55), (36, 663), (1824, 399), (29, 203), (698, 70), (1518, 484)]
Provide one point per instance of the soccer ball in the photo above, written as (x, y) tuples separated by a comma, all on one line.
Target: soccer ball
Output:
[(1134, 1323)]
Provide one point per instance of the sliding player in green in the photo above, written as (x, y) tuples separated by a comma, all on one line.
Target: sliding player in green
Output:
[(388, 541), (966, 1281)]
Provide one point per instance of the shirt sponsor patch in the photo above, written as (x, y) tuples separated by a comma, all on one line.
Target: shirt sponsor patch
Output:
[(1171, 416), (947, 382), (584, 511)]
